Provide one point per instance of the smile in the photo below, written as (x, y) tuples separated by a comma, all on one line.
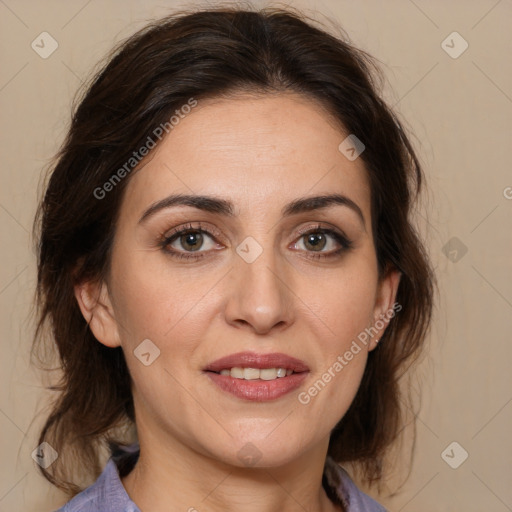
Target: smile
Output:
[(257, 377)]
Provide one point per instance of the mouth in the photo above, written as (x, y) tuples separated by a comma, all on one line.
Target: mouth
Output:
[(257, 377)]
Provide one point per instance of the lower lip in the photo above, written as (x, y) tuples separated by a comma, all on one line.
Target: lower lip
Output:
[(258, 390)]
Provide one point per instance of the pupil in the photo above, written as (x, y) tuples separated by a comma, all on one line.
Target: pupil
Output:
[(190, 240), (319, 239)]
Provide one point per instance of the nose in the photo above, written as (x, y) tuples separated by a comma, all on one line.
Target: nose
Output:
[(260, 294)]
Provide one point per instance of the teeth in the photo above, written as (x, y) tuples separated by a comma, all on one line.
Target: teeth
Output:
[(256, 373), (269, 373), (238, 373), (251, 373)]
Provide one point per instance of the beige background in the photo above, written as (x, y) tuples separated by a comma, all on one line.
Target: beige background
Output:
[(460, 111)]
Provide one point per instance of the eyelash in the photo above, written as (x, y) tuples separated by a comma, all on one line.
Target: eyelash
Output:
[(345, 243)]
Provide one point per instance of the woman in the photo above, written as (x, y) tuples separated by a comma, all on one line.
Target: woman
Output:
[(229, 271)]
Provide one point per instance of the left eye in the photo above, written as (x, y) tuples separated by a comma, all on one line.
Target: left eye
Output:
[(316, 241)]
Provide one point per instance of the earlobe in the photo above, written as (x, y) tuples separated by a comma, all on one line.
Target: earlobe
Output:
[(96, 307), (385, 305)]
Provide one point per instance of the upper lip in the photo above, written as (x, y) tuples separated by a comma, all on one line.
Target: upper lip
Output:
[(253, 360)]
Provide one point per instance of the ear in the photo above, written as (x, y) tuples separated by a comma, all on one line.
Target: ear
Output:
[(385, 306), (96, 307)]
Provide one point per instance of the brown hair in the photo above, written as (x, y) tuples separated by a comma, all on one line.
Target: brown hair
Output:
[(200, 54)]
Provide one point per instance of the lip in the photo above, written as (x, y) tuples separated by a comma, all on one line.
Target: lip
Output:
[(258, 390), (253, 360)]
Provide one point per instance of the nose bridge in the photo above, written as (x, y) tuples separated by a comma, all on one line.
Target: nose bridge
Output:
[(261, 296)]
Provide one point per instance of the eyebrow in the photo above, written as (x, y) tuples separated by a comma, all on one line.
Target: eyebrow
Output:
[(226, 208)]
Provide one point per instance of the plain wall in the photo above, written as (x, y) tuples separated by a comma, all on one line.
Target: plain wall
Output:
[(460, 110)]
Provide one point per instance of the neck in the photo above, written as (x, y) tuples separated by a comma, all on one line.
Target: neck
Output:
[(178, 478)]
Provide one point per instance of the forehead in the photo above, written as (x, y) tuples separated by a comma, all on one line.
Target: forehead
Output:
[(260, 151)]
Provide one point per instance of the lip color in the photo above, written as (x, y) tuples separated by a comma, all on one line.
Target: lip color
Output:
[(258, 390), (253, 360)]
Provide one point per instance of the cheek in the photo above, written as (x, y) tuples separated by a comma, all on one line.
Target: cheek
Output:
[(343, 309), (341, 355), (152, 301), (171, 309), (344, 303)]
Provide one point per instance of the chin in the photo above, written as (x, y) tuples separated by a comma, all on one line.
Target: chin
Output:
[(263, 452)]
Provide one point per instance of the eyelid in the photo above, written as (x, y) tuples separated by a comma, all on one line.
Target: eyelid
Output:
[(211, 231), (320, 226)]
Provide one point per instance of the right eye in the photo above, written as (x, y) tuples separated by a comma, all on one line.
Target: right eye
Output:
[(183, 242)]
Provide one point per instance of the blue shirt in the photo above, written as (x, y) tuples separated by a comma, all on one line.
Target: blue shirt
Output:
[(107, 494)]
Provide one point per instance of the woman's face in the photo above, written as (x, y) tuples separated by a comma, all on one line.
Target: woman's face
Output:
[(262, 274)]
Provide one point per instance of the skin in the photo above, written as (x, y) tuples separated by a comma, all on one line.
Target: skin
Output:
[(260, 152)]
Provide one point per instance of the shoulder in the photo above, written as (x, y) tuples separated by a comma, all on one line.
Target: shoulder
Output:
[(106, 494), (347, 491)]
